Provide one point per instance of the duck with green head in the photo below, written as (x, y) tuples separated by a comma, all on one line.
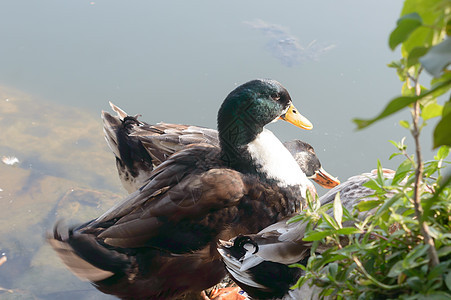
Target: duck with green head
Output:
[(160, 241), (140, 147), (246, 145)]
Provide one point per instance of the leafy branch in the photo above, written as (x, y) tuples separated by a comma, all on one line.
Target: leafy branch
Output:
[(402, 247), (417, 54)]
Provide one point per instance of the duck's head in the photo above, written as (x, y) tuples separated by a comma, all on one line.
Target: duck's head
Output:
[(305, 156), (251, 106), (245, 145)]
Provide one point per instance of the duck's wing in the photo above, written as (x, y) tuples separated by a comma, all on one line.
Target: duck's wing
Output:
[(133, 161), (160, 140), (140, 147), (180, 191), (248, 260), (163, 215), (163, 139)]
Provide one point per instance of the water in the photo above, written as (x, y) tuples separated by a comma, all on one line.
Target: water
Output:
[(174, 61)]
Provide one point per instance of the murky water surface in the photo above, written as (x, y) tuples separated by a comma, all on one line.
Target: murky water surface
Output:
[(173, 61)]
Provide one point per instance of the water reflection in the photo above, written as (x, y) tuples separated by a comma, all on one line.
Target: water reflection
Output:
[(51, 179), (286, 47)]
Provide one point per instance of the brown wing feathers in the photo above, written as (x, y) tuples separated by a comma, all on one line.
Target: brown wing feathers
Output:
[(190, 200), (174, 220)]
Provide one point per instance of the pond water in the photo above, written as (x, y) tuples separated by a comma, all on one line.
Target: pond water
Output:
[(173, 61)]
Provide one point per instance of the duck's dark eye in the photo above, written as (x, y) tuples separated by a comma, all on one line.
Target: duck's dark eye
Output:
[(275, 97)]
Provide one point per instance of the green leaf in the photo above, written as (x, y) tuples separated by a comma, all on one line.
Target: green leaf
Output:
[(329, 258), (395, 64), (448, 280), (438, 295), (442, 153), (317, 235), (437, 58), (367, 205), (432, 14), (299, 283), (392, 107), (394, 143), (396, 269), (442, 132), (407, 90), (330, 220), (437, 271), (415, 54), (338, 210), (415, 283), (432, 110), (296, 218), (430, 168), (399, 103), (402, 171), (333, 268), (348, 230), (404, 124), (372, 184), (444, 251), (300, 266), (446, 77), (393, 155), (410, 260), (380, 174), (405, 26), (384, 208)]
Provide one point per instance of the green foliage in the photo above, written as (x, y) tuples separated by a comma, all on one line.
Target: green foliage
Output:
[(398, 245), (437, 58), (382, 255), (422, 32), (442, 135), (406, 26)]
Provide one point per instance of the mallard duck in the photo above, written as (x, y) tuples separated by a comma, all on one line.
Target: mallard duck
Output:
[(259, 263), (140, 147), (161, 241)]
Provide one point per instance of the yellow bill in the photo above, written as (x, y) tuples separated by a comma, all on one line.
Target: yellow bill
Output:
[(294, 117)]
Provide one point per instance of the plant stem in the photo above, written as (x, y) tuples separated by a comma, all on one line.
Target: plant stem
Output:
[(371, 278), (433, 257)]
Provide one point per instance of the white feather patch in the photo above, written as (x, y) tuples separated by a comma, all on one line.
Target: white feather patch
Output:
[(276, 161)]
